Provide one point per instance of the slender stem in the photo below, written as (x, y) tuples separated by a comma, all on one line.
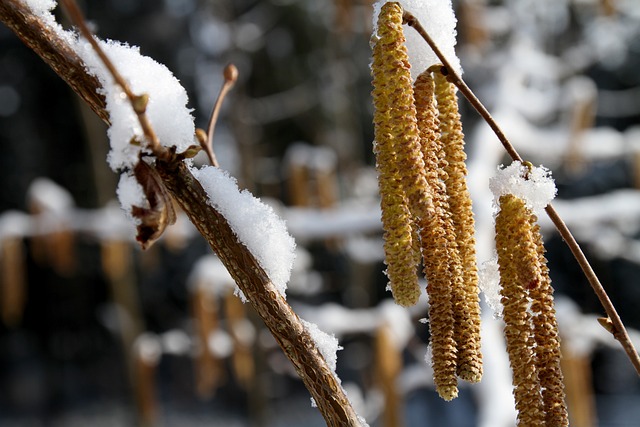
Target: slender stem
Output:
[(619, 330), (138, 102), (230, 77), (448, 71)]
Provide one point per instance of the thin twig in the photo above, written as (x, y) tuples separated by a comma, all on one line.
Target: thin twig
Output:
[(230, 77), (619, 330), (138, 102), (448, 71)]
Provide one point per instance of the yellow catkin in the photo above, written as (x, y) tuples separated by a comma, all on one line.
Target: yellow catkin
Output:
[(389, 69), (468, 316), (439, 249), (518, 263), (545, 329), (406, 138)]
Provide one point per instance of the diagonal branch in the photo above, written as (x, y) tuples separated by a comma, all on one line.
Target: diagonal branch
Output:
[(55, 52), (277, 315), (618, 329)]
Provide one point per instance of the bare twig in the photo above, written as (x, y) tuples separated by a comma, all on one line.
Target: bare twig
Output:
[(138, 102), (618, 329), (230, 76), (277, 315)]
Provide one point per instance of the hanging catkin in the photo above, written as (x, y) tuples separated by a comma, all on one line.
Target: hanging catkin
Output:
[(439, 249), (545, 328), (466, 292), (392, 96), (519, 267)]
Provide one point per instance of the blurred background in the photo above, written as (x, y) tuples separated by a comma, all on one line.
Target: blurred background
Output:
[(93, 330)]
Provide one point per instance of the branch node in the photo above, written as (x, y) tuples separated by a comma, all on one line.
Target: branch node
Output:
[(139, 103), (607, 324)]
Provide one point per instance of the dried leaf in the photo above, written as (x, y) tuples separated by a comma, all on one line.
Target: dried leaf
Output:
[(160, 213)]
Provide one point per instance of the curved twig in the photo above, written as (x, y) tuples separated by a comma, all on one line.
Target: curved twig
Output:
[(230, 76)]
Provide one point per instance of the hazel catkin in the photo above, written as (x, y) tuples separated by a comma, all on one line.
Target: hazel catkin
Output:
[(439, 248), (393, 126), (460, 206), (518, 266)]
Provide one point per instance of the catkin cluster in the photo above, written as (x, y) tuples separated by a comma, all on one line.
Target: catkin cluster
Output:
[(426, 208), (531, 330)]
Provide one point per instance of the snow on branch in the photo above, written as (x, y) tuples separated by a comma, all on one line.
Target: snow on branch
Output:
[(534, 185), (255, 224), (438, 16), (167, 110)]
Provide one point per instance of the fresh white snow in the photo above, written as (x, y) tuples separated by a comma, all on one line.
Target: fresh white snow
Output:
[(438, 19), (535, 186), (489, 284), (167, 109), (327, 344), (255, 223), (130, 194)]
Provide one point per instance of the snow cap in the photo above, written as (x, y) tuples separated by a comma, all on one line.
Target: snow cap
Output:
[(532, 184), (438, 19)]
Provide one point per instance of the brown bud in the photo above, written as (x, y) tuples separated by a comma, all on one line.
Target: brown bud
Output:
[(230, 74), (140, 103)]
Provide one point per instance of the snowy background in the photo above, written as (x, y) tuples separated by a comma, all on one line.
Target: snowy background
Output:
[(560, 76)]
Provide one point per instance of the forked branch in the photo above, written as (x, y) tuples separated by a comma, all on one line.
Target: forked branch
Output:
[(617, 327), (138, 102)]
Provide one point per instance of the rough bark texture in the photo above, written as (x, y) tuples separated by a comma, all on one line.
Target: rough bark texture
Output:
[(55, 52), (277, 315)]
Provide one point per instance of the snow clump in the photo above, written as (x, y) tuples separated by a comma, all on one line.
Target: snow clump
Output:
[(533, 185), (167, 109), (255, 224), (438, 19)]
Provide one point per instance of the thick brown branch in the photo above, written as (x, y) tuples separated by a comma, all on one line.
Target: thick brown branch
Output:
[(54, 51), (278, 316), (283, 323)]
